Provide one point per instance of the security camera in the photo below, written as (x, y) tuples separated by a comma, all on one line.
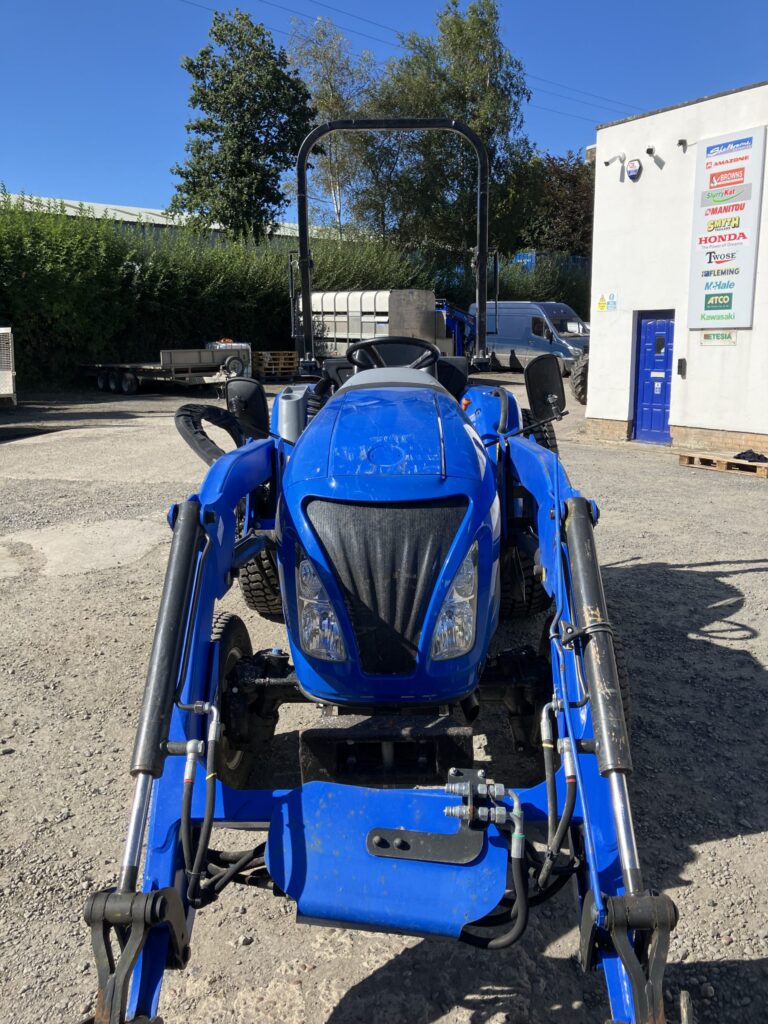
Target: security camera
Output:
[(621, 157), (650, 150)]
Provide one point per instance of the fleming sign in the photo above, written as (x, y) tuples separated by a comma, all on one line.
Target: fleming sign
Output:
[(726, 219)]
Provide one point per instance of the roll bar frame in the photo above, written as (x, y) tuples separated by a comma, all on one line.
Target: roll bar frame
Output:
[(393, 124)]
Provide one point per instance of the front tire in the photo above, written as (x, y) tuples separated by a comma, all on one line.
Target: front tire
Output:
[(233, 766), (260, 585), (522, 592)]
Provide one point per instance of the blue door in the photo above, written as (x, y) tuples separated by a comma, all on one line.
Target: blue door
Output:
[(653, 384)]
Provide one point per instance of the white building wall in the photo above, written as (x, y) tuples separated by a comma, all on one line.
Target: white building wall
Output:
[(642, 246)]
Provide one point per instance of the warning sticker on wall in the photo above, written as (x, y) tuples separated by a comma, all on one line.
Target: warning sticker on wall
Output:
[(607, 302)]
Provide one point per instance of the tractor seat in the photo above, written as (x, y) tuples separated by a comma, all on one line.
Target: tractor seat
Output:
[(452, 373), (391, 377)]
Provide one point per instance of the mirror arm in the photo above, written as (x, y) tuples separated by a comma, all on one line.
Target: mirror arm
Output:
[(539, 423)]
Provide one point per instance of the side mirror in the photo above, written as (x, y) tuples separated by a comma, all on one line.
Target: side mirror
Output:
[(544, 385), (548, 335), (247, 401)]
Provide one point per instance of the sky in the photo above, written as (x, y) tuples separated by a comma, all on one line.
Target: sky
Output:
[(94, 100)]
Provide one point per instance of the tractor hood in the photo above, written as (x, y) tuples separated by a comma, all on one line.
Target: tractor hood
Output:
[(388, 432), (385, 492)]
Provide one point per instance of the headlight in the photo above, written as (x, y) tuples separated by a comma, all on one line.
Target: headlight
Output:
[(319, 630), (455, 630)]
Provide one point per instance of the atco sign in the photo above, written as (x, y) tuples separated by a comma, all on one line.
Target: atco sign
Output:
[(729, 177)]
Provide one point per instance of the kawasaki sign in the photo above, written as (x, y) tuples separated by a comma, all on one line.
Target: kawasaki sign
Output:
[(729, 180)]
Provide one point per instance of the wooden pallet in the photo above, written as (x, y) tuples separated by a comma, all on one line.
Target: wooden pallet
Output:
[(724, 465), (277, 365)]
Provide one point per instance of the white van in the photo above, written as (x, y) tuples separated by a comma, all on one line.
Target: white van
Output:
[(526, 329)]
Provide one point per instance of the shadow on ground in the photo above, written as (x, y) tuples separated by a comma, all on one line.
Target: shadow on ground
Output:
[(700, 766)]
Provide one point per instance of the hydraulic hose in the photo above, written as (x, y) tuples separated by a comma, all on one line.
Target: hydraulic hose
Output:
[(519, 912), (210, 803), (553, 849), (548, 747)]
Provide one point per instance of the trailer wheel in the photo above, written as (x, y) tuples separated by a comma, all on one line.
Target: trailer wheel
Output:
[(260, 585), (579, 378), (544, 433), (232, 766), (114, 381), (102, 380), (129, 383), (522, 593), (235, 365)]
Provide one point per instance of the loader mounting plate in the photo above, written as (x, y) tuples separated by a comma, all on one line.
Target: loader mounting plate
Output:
[(317, 853)]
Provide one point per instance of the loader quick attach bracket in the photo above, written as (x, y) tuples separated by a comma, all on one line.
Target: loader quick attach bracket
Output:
[(638, 928), (462, 847), (129, 917)]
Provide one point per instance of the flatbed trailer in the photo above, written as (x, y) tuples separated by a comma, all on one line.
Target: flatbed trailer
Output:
[(188, 367)]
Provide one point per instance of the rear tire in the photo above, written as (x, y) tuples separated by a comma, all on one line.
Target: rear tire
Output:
[(579, 378), (233, 767), (543, 434), (114, 381), (102, 380), (260, 585)]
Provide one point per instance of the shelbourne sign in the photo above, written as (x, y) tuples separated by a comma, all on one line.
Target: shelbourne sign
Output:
[(726, 220)]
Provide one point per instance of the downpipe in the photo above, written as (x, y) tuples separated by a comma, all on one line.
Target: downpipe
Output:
[(162, 677), (611, 739)]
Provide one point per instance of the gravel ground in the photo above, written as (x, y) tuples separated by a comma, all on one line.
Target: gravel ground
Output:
[(83, 547)]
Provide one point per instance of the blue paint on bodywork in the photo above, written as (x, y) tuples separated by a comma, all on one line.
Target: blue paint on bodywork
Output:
[(317, 854), (410, 445)]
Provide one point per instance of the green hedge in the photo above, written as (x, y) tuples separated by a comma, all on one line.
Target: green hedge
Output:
[(84, 289)]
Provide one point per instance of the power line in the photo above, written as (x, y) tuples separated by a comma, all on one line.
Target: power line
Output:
[(551, 110), (565, 113), (583, 92), (310, 19), (584, 103), (537, 78), (358, 17)]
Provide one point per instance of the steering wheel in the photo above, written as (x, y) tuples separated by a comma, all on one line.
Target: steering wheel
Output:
[(428, 357)]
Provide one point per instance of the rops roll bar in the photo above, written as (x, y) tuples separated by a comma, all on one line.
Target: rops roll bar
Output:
[(393, 124)]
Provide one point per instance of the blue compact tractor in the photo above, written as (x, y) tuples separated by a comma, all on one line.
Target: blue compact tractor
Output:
[(393, 512)]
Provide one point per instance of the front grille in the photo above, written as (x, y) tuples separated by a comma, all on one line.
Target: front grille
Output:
[(386, 559)]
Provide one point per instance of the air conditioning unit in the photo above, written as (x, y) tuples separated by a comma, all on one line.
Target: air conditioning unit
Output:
[(7, 371)]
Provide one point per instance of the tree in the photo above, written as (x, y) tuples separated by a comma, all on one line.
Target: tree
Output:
[(338, 82), (419, 186), (254, 112), (562, 195)]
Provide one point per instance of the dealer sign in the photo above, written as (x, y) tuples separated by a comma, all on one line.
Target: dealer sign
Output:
[(726, 221)]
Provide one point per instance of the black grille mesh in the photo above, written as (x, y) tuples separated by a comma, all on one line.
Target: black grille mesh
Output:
[(386, 559)]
